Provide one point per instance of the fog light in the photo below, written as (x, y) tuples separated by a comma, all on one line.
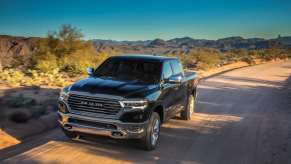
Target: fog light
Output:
[(135, 129), (68, 126), (117, 134), (62, 107)]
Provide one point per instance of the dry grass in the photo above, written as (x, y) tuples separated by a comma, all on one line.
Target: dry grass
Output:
[(14, 77)]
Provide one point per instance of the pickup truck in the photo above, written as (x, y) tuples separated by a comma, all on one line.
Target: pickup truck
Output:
[(128, 97)]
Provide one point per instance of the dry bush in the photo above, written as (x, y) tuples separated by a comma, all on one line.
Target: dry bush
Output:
[(20, 101), (78, 61), (36, 78), (47, 63), (65, 50), (199, 58), (207, 61), (13, 77)]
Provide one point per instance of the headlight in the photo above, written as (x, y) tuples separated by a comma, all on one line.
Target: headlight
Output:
[(129, 105), (64, 94)]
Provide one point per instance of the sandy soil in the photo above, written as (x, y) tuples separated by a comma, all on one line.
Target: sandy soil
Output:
[(7, 140), (242, 116)]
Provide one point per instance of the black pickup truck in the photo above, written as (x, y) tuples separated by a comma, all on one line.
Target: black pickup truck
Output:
[(128, 97)]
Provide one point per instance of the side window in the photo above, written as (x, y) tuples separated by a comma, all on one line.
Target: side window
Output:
[(167, 70), (177, 67)]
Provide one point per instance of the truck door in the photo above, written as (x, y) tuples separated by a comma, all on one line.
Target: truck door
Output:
[(169, 90), (180, 97)]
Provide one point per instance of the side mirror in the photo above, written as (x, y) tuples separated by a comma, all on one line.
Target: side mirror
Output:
[(90, 71), (175, 79)]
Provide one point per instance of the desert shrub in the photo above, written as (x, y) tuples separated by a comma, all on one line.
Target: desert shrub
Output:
[(207, 61), (47, 63), (199, 58), (283, 56), (20, 101), (273, 54), (188, 61), (34, 78), (248, 59), (78, 61), (20, 116), (65, 50), (14, 77), (268, 55)]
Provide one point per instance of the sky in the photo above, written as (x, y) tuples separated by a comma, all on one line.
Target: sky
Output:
[(148, 19)]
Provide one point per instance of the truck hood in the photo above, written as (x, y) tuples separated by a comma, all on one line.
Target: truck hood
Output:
[(96, 85)]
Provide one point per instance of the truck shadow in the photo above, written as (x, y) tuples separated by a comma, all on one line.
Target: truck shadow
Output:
[(177, 136)]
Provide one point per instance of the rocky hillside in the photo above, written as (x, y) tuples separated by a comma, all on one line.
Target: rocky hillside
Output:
[(14, 50), (186, 43)]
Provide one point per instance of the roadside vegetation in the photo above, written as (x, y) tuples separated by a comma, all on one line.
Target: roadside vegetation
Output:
[(207, 58), (65, 51)]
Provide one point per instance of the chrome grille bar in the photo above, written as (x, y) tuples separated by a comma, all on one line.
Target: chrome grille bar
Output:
[(91, 104)]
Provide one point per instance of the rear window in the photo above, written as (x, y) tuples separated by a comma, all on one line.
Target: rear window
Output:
[(177, 67), (167, 70)]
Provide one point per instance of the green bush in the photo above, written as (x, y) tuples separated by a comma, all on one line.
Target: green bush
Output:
[(78, 61), (65, 50)]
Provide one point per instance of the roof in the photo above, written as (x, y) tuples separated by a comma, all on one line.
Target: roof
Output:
[(144, 56)]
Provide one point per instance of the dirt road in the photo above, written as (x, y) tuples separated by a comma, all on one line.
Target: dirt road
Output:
[(243, 116)]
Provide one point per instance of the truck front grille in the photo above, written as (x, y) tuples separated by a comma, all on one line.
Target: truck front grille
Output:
[(90, 104)]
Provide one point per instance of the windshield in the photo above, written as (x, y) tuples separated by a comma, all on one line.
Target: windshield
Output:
[(130, 69)]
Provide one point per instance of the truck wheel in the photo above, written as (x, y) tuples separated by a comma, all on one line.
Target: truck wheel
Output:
[(69, 134), (151, 138), (189, 109)]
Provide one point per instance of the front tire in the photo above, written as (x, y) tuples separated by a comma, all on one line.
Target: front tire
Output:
[(151, 138), (189, 109)]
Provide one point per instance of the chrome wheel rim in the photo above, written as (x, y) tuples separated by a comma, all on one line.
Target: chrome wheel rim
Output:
[(155, 132)]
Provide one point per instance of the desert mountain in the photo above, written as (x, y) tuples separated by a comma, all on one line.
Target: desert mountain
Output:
[(12, 48)]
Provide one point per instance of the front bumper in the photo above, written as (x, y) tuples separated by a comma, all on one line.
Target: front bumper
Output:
[(105, 127)]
